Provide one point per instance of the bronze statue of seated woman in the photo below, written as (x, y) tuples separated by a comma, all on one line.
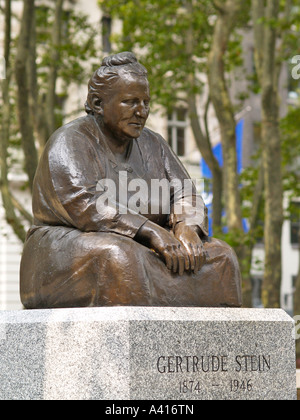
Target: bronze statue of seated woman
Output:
[(106, 230)]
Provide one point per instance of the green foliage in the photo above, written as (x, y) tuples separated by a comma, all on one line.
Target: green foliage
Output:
[(172, 38), (76, 51), (77, 58)]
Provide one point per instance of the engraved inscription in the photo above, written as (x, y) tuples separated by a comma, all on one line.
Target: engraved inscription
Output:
[(235, 366), (188, 364), (193, 364)]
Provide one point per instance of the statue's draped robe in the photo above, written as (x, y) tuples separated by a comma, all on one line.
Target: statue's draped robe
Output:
[(82, 251)]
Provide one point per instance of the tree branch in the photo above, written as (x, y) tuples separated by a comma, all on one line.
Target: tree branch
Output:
[(21, 70), (257, 197), (222, 103), (258, 15), (24, 213), (55, 57), (208, 102), (10, 213), (219, 6), (269, 44)]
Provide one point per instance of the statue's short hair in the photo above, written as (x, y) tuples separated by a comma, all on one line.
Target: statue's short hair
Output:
[(111, 69)]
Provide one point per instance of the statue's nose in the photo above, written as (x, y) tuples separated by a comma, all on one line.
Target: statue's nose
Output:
[(141, 111)]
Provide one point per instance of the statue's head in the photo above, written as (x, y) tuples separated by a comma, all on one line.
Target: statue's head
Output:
[(119, 94)]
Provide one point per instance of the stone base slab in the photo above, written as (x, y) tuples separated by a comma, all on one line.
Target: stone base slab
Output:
[(133, 353)]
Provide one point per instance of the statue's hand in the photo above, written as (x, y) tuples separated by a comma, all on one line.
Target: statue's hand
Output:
[(189, 237), (166, 245)]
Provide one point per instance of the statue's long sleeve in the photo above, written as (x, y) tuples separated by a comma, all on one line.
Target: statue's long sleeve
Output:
[(77, 167)]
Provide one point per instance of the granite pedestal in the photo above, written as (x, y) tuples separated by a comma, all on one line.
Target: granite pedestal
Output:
[(128, 353)]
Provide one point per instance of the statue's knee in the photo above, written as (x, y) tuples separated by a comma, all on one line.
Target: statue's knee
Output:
[(223, 251), (117, 249)]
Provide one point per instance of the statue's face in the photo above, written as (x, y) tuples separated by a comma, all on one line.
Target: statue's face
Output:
[(126, 110)]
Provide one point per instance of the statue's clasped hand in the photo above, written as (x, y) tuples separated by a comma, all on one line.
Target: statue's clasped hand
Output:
[(189, 238), (182, 250)]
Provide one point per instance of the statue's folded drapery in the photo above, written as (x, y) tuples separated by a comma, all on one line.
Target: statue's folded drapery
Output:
[(81, 252)]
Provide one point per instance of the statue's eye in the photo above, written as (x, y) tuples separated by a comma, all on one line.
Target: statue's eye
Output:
[(128, 102)]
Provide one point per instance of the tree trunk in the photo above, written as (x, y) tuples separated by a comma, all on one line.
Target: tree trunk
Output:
[(10, 214), (203, 140), (22, 79), (227, 19), (205, 148), (247, 250), (37, 107), (297, 302), (265, 46), (228, 14), (55, 56)]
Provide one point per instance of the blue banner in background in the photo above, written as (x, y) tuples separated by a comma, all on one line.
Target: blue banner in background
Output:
[(218, 153)]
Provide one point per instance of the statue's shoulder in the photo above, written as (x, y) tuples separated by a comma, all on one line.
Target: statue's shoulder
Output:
[(70, 141), (73, 133), (75, 128)]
